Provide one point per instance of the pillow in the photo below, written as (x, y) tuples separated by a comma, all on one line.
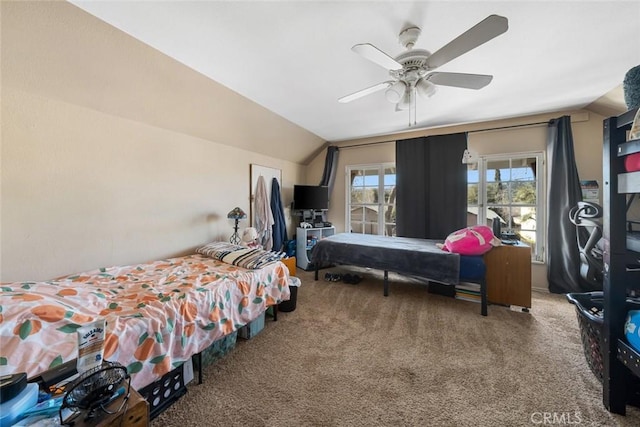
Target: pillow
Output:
[(474, 240), (239, 255)]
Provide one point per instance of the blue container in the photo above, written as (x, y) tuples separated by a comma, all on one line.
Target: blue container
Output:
[(252, 328), (12, 410), (632, 329), (219, 349)]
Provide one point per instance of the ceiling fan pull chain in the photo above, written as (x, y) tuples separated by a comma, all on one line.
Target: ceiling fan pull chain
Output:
[(412, 110)]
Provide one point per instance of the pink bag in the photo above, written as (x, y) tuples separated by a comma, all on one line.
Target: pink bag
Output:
[(474, 240)]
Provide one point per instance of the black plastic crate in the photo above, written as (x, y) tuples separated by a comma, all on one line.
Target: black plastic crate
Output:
[(164, 392)]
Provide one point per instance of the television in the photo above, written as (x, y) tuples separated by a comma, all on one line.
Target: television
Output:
[(310, 197)]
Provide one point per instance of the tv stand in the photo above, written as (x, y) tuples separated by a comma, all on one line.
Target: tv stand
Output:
[(306, 239)]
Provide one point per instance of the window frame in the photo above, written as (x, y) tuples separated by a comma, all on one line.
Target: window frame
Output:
[(381, 167), (538, 254)]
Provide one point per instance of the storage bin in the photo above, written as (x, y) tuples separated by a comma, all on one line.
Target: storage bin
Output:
[(441, 289), (589, 309), (290, 304), (164, 392), (252, 328), (219, 349)]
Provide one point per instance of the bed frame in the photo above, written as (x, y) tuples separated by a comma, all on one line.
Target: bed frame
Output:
[(410, 256)]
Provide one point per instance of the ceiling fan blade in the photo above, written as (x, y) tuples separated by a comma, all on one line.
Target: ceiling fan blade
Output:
[(377, 56), (365, 92), (482, 32), (467, 81)]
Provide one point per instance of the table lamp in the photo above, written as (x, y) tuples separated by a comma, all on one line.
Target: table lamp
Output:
[(236, 214)]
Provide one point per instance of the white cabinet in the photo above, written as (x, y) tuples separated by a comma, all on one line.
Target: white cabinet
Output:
[(306, 238)]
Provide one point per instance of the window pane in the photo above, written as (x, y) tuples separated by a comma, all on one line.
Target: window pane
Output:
[(370, 195), (472, 194), (390, 230), (528, 225), (473, 175), (494, 214), (502, 212), (390, 194), (390, 176), (371, 228), (522, 174), (357, 195), (389, 213), (498, 171), (498, 193), (371, 177), (357, 213), (523, 192)]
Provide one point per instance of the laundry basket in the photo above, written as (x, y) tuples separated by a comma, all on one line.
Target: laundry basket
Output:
[(590, 309)]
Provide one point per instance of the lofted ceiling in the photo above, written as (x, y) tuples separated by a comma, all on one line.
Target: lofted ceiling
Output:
[(295, 58)]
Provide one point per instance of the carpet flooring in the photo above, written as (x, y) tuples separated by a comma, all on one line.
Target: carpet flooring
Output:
[(348, 356)]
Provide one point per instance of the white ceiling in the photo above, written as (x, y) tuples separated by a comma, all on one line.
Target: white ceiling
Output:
[(295, 57)]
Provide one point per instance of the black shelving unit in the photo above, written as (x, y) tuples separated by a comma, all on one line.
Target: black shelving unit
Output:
[(620, 360)]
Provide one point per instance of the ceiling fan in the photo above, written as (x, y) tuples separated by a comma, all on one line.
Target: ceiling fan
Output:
[(412, 71)]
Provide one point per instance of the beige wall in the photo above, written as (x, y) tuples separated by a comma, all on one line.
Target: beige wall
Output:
[(113, 153), (587, 133)]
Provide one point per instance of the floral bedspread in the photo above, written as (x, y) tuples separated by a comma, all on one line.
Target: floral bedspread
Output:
[(158, 314)]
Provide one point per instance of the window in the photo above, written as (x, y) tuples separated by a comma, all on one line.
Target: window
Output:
[(509, 189), (371, 199)]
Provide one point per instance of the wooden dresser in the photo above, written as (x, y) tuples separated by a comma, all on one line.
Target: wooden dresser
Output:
[(509, 275)]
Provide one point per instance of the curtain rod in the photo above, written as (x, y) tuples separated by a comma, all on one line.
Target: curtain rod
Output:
[(471, 131)]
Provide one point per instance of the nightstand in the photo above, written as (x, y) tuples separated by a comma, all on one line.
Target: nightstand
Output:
[(509, 275)]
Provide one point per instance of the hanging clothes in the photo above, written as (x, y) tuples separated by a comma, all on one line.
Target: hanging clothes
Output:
[(279, 224), (264, 217)]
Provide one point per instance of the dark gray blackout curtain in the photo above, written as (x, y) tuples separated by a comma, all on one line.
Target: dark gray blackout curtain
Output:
[(563, 258), (431, 185), (330, 165)]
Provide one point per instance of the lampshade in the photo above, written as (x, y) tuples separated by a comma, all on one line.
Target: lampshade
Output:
[(425, 88), (236, 213), (405, 101), (395, 92)]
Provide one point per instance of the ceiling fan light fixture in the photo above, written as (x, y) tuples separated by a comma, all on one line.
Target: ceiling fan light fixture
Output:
[(405, 101), (395, 92), (412, 71), (425, 88)]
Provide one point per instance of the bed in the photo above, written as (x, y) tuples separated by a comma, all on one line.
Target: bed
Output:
[(415, 257), (159, 314)]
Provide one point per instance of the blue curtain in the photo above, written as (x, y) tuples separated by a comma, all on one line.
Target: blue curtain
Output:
[(564, 192)]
